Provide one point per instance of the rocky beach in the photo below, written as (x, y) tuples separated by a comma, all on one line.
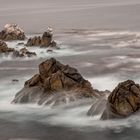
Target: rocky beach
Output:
[(64, 75)]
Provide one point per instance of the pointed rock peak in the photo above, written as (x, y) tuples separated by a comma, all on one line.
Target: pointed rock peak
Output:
[(53, 79)]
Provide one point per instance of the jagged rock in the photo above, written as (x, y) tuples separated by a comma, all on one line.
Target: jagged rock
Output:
[(12, 32), (4, 48), (43, 41), (123, 101), (46, 39), (23, 53), (35, 41), (55, 83)]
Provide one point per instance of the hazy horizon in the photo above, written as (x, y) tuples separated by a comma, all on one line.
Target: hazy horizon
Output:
[(35, 16)]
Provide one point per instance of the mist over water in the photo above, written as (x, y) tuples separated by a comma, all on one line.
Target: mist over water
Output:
[(101, 58), (101, 38)]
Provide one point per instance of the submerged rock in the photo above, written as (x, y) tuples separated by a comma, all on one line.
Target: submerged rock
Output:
[(4, 48), (23, 53), (15, 80), (123, 101), (12, 32), (50, 51), (46, 40), (54, 45), (54, 84), (20, 43)]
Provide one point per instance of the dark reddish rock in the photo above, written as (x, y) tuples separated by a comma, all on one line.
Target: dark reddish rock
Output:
[(12, 32), (123, 101), (55, 83)]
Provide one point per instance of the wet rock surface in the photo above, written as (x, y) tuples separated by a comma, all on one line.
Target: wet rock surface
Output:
[(12, 32), (4, 48), (123, 101), (55, 84)]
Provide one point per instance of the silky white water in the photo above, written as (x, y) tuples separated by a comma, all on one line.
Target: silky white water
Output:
[(100, 60)]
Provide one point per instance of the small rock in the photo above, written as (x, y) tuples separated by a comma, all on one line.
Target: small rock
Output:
[(21, 43), (17, 54), (4, 48), (23, 53), (15, 80), (49, 51)]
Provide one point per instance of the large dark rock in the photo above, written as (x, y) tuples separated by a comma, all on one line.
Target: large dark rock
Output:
[(4, 48), (46, 40), (12, 32), (123, 101), (54, 84)]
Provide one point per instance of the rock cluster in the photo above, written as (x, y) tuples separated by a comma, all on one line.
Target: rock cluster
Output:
[(55, 83), (4, 48), (12, 32), (123, 101), (43, 41), (24, 52)]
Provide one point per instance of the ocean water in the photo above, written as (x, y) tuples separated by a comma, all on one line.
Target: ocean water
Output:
[(101, 38), (101, 58)]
